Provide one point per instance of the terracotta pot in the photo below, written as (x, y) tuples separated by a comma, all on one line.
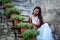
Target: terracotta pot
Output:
[(16, 22), (13, 14), (23, 29), (33, 38), (7, 7)]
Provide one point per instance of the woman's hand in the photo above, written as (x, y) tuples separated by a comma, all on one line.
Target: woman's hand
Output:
[(34, 27)]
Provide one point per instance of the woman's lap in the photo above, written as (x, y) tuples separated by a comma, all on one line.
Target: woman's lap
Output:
[(45, 33)]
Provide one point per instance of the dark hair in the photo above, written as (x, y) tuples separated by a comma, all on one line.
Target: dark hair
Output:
[(39, 14)]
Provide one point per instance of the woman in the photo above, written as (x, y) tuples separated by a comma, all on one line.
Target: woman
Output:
[(37, 22)]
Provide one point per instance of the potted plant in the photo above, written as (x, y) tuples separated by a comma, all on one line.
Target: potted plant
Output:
[(30, 34), (8, 5), (12, 12), (24, 26), (2, 2), (17, 19)]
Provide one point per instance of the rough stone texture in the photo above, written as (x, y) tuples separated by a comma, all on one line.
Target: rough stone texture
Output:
[(50, 12)]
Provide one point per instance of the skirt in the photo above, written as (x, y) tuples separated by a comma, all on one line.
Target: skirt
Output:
[(45, 32)]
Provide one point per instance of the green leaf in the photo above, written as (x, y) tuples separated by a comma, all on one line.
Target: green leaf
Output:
[(18, 17), (11, 10), (28, 33), (9, 4), (23, 24)]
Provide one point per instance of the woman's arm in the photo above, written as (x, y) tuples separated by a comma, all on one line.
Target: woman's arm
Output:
[(30, 19), (34, 25), (37, 25)]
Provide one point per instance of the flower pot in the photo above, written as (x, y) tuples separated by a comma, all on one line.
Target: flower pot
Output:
[(7, 7), (23, 29), (16, 22), (13, 14), (32, 38)]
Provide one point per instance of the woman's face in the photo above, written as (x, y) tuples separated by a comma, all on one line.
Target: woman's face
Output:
[(36, 11)]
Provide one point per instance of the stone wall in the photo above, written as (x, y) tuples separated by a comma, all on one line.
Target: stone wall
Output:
[(51, 14), (50, 11)]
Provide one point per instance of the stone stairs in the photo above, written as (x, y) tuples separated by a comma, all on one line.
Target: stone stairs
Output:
[(5, 24), (26, 7)]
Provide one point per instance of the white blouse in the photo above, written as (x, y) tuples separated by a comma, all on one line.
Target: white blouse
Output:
[(35, 20)]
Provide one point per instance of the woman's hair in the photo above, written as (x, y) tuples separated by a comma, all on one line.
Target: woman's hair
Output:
[(39, 14)]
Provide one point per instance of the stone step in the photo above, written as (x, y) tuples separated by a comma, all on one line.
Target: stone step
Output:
[(25, 4), (27, 8), (8, 38), (1, 7), (26, 19), (26, 13), (3, 15), (2, 11), (11, 38), (21, 0)]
